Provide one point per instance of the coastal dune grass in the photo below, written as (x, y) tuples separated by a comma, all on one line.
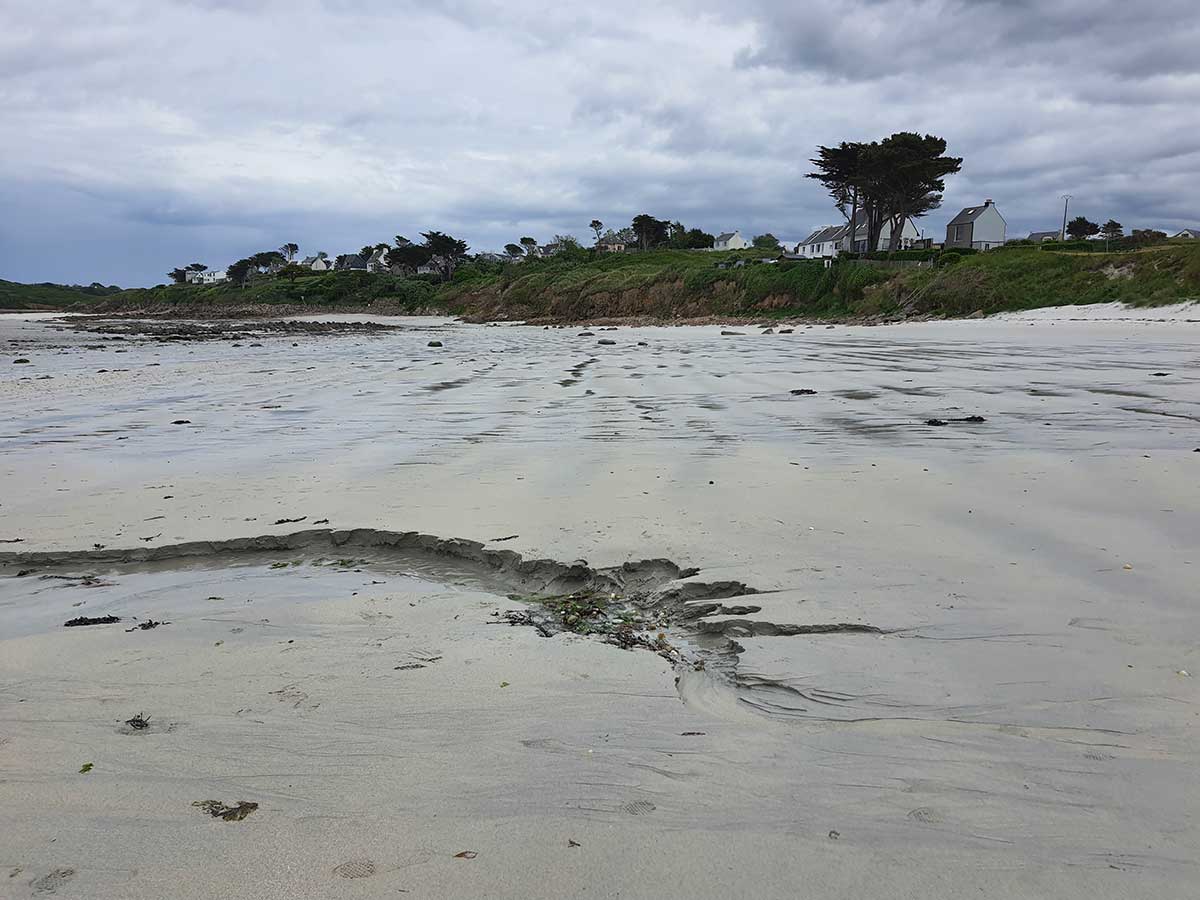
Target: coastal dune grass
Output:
[(1017, 279), (663, 284), (678, 284)]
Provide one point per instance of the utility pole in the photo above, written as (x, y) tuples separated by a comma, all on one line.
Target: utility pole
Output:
[(1066, 200)]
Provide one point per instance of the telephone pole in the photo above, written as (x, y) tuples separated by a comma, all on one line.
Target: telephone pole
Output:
[(1066, 198)]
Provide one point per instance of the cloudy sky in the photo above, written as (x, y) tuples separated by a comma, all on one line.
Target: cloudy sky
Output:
[(142, 134)]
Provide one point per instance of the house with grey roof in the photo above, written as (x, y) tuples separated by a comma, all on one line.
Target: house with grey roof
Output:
[(1040, 237), (822, 242), (610, 243), (1188, 234), (437, 265), (830, 240), (979, 227), (318, 263), (350, 262), (378, 260), (730, 240)]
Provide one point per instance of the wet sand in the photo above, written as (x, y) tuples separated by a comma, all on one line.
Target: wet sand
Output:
[(1014, 722)]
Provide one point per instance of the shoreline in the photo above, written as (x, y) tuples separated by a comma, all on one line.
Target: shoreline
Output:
[(1184, 312)]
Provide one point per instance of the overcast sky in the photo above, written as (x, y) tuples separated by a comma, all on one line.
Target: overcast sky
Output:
[(138, 135)]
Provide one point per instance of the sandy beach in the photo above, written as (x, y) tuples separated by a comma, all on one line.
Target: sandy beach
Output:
[(959, 663)]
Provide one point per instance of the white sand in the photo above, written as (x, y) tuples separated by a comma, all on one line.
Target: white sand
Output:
[(1025, 732)]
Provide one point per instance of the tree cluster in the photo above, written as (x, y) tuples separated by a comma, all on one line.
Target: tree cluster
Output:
[(179, 276), (445, 251), (890, 181), (1081, 228), (650, 233)]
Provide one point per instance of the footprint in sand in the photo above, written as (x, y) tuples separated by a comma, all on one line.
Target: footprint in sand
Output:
[(355, 868), (639, 807), (926, 815), (49, 884), (292, 694)]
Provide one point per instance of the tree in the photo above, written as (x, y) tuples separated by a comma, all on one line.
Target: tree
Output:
[(597, 226), (1080, 228), (650, 232), (240, 271), (699, 240), (321, 254), (677, 235), (448, 250), (197, 267), (905, 179), (292, 271), (407, 256), (366, 251), (890, 181), (529, 244), (1112, 231), (766, 241), (514, 250), (840, 170), (627, 236), (289, 251), (179, 276), (266, 259)]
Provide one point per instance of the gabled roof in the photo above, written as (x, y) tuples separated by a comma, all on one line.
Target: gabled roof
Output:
[(1190, 232), (726, 236), (969, 214), (380, 255), (1044, 235), (825, 233)]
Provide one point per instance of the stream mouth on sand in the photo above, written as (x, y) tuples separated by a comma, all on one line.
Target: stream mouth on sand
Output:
[(310, 581)]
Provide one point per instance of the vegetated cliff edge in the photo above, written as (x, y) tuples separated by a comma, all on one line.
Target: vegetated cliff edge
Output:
[(682, 285)]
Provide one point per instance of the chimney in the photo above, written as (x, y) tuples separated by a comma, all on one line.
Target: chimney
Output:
[(987, 202)]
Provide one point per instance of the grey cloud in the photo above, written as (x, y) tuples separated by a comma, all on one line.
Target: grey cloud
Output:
[(159, 131), (937, 42)]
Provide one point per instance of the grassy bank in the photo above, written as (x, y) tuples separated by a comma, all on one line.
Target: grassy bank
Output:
[(328, 290), (676, 285), (1028, 278), (667, 284), (14, 295)]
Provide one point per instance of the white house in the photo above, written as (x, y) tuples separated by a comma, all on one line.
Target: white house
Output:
[(317, 263), (378, 261), (1188, 234), (822, 243), (909, 235), (980, 227), (213, 276), (829, 240), (730, 240)]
